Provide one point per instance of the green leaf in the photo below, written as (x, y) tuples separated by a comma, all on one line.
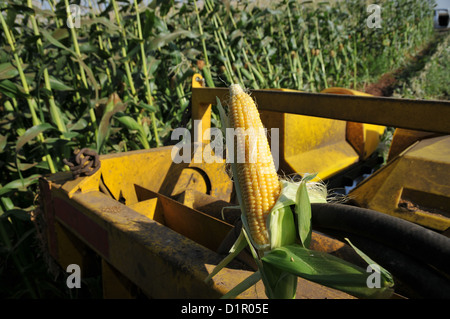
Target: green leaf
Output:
[(79, 125), (238, 246), (243, 285), (55, 42), (129, 122), (164, 38), (9, 89), (22, 8), (7, 202), (7, 71), (19, 214), (89, 73), (58, 85), (31, 133), (303, 211), (283, 285), (108, 25), (147, 107), (3, 140), (281, 225), (113, 106), (60, 34), (326, 270), (19, 184)]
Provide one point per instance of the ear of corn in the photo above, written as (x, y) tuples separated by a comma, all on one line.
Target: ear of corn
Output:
[(280, 249), (257, 176)]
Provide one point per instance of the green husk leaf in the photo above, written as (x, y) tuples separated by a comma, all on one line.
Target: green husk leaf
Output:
[(326, 270), (386, 274), (238, 246), (243, 285), (303, 211), (316, 192), (281, 227), (283, 284)]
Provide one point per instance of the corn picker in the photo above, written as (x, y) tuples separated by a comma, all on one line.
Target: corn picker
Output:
[(319, 220)]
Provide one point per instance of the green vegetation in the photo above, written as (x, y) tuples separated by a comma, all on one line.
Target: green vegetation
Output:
[(430, 79), (121, 81)]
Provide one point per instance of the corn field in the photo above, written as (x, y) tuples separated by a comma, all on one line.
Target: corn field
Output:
[(119, 79)]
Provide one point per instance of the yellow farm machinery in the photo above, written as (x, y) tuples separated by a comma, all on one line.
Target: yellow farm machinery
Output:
[(158, 228)]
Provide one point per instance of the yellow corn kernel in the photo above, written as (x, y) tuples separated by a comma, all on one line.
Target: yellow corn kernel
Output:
[(257, 176)]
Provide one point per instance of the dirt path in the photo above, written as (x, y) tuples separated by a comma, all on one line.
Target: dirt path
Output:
[(386, 85)]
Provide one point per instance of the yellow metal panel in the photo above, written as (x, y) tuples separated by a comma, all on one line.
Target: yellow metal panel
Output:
[(115, 285), (338, 90), (304, 133), (362, 136), (155, 170), (200, 111), (404, 138), (189, 222), (372, 137), (71, 250), (423, 115), (310, 144), (413, 186), (150, 208), (83, 185), (326, 161)]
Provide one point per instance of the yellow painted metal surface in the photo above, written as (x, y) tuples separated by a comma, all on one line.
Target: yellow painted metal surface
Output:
[(422, 115), (364, 137), (403, 139), (156, 171), (145, 238), (310, 144), (413, 186), (115, 285)]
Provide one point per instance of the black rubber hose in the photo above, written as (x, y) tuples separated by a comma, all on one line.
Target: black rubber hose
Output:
[(413, 279), (411, 239)]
